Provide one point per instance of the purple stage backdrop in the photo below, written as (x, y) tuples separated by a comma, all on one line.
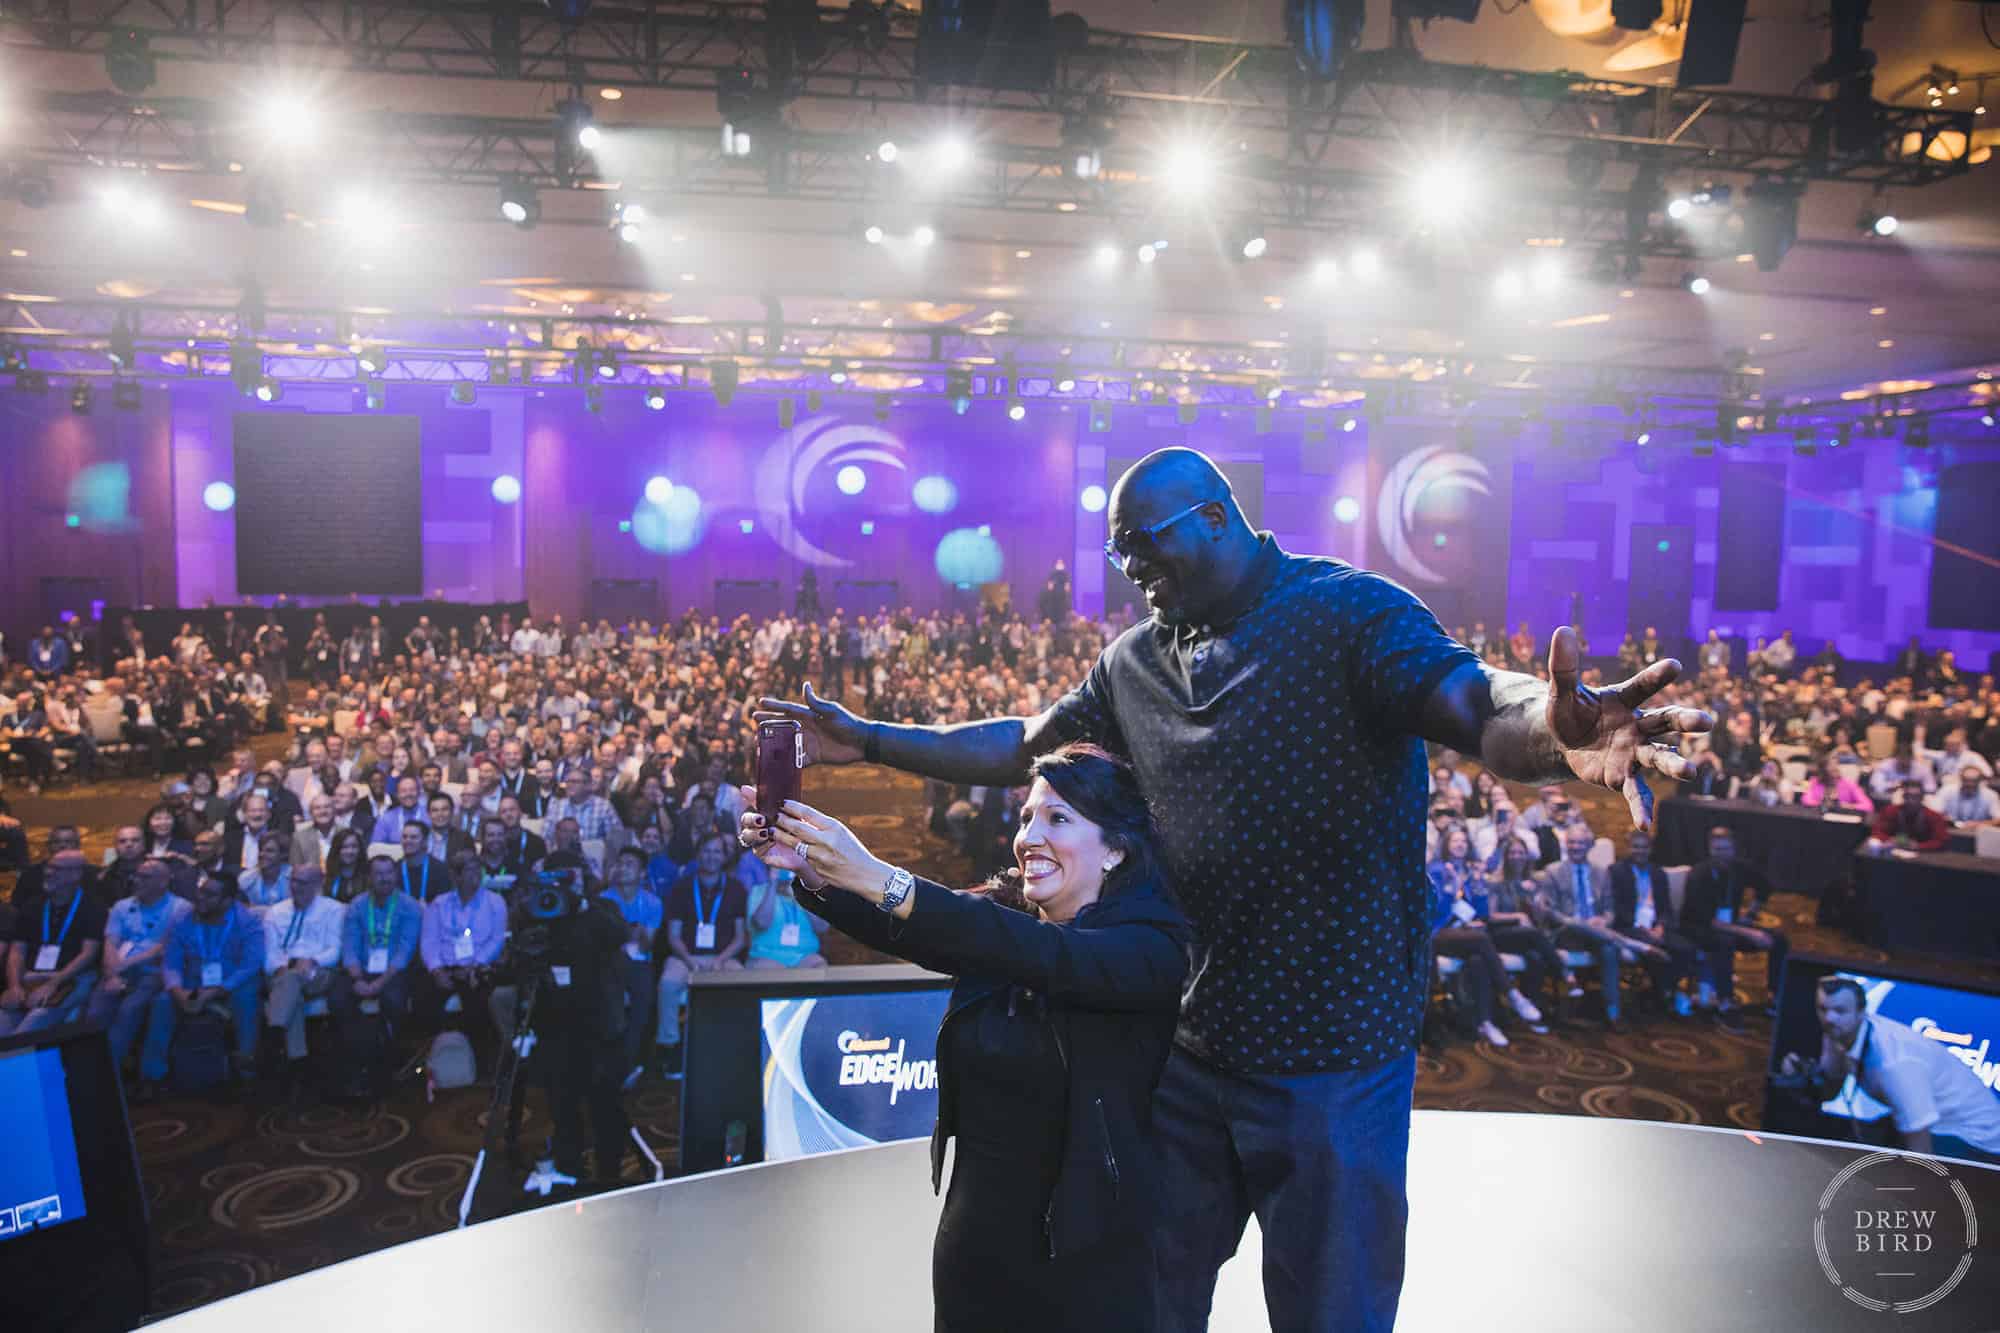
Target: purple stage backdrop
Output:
[(929, 509)]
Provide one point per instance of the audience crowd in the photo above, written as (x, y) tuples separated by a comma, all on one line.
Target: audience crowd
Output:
[(365, 875)]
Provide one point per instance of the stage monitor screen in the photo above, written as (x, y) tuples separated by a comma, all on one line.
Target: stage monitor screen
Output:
[(1965, 1022), (328, 504), (41, 1183), (844, 1071)]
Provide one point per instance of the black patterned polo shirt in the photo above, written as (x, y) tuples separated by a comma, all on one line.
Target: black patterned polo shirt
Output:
[(1279, 752)]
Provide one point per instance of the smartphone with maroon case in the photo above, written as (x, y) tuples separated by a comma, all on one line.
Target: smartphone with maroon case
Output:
[(781, 758)]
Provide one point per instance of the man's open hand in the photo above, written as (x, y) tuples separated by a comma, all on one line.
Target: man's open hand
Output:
[(1606, 737)]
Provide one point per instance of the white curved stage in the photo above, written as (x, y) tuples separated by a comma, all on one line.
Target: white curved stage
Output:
[(1536, 1223)]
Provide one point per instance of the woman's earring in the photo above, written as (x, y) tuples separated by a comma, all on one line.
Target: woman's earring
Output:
[(1112, 864)]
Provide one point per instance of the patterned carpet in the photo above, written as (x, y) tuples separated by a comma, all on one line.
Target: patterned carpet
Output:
[(248, 1191)]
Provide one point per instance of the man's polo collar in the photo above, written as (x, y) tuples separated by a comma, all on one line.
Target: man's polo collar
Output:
[(1264, 567)]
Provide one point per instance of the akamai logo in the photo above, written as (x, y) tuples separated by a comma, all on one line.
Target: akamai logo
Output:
[(864, 1063)]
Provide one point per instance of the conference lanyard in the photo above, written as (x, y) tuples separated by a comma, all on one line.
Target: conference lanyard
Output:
[(77, 897), (378, 937), (423, 894), (292, 931), (708, 918)]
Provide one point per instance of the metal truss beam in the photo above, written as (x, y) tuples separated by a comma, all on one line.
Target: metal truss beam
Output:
[(869, 56), (74, 338)]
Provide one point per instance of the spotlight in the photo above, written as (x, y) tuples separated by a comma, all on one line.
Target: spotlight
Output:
[(506, 488), (736, 140), (628, 218), (1695, 283), (1510, 286), (122, 346), (1645, 437), (1349, 424), (1016, 412), (607, 364), (372, 360), (839, 372), (656, 399), (129, 63), (851, 480), (658, 490), (269, 390), (520, 204), (1186, 168), (1442, 192), (951, 153), (576, 132), (1251, 242), (463, 393), (1148, 253), (1679, 207), (219, 497), (1325, 271), (873, 235), (80, 399), (924, 235), (1875, 223), (1068, 385), (886, 151), (1987, 419), (722, 377), (1106, 255), (958, 387), (1092, 498), (125, 395)]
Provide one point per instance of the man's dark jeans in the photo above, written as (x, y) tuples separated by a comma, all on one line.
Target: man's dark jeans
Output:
[(1320, 1160)]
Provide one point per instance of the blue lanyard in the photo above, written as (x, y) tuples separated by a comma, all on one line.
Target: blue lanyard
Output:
[(298, 924), (423, 882), (62, 935), (708, 919)]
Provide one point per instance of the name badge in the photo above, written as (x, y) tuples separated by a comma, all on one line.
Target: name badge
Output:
[(560, 974), (378, 961), (704, 935), (1725, 914), (788, 937), (1462, 910), (128, 948), (211, 974), (46, 958), (461, 948), (634, 952)]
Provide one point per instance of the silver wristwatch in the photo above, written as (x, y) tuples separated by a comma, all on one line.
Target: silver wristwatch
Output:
[(901, 883)]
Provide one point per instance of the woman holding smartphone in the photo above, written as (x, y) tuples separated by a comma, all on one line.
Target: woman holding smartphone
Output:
[(1070, 970)]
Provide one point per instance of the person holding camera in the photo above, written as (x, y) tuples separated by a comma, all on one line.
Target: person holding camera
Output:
[(1938, 1104), (1069, 972)]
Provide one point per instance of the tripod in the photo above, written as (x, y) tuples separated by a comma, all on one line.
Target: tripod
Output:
[(503, 1112)]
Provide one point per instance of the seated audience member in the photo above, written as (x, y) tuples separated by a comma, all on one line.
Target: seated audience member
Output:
[(208, 860), (1574, 899), (1501, 826), (595, 819), (1973, 798), (1956, 758), (312, 841), (446, 840), (214, 964), (494, 861), (346, 869), (163, 837), (13, 839), (524, 846), (1833, 785), (378, 938), (705, 916), (407, 809), (1513, 914), (1460, 905), (287, 811), (1723, 895), (1708, 778), (57, 947), (423, 876), (1887, 778), (696, 823), (1769, 788), (271, 882), (1551, 802), (243, 834), (464, 933), (115, 878), (782, 932), (1936, 1108), (642, 911), (67, 730), (302, 943), (347, 811), (132, 974), (470, 815), (24, 730), (60, 838), (1909, 824), (1642, 910)]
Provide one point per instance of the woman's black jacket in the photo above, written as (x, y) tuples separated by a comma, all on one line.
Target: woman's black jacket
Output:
[(1112, 979)]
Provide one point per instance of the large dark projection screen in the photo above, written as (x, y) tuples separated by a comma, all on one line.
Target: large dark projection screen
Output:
[(328, 504)]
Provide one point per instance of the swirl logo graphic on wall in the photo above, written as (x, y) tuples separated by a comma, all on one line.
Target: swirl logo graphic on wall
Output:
[(841, 1071), (824, 444), (1432, 487)]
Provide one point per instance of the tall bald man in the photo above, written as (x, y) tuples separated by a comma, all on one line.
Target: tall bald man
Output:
[(1275, 707)]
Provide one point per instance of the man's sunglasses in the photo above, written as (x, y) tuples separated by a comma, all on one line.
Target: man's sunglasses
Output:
[(1134, 542)]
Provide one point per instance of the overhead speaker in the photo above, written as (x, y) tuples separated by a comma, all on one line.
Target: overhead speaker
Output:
[(1322, 32), (1715, 27), (1635, 15)]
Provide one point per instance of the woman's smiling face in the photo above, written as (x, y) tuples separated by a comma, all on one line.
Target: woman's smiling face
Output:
[(1061, 854)]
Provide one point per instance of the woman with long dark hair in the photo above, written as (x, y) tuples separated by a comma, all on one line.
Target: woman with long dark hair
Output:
[(1070, 969), (346, 866)]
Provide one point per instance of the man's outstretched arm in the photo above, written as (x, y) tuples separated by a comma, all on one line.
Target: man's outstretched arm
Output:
[(991, 753), (1528, 731)]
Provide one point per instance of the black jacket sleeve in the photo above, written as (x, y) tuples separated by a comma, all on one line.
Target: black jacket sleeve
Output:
[(1132, 966)]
